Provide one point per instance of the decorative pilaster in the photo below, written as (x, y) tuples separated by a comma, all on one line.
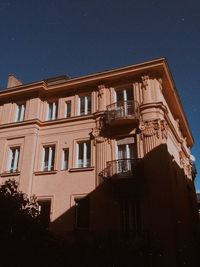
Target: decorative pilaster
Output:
[(146, 86), (101, 98), (103, 151)]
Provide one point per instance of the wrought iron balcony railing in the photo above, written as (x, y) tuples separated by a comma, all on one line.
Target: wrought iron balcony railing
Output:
[(122, 110), (122, 168)]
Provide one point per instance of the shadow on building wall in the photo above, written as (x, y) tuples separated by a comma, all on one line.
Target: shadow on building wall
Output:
[(150, 218)]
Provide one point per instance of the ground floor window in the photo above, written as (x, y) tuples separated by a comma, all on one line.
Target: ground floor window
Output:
[(45, 211), (130, 216), (82, 212)]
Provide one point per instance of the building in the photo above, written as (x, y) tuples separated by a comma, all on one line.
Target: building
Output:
[(107, 152)]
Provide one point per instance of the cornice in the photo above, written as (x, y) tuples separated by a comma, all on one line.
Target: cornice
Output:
[(40, 123)]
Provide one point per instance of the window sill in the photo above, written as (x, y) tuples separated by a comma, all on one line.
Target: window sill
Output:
[(7, 174), (81, 169), (45, 172)]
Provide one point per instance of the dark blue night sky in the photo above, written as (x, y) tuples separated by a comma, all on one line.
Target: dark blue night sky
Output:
[(40, 39)]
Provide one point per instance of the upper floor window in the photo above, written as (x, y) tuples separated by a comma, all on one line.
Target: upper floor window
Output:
[(65, 159), (125, 151), (84, 154), (67, 109), (20, 112), (48, 157), (52, 111), (85, 104), (13, 159), (124, 94)]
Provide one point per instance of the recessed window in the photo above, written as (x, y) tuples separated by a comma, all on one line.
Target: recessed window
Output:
[(130, 216), (65, 159), (84, 154), (48, 157), (124, 95), (67, 109), (13, 159), (82, 212), (45, 211), (85, 104), (20, 112), (52, 111)]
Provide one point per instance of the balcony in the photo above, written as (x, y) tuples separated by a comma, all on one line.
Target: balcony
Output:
[(120, 169), (125, 177), (123, 112)]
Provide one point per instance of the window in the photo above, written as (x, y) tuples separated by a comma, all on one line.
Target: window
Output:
[(65, 159), (45, 211), (52, 111), (48, 158), (13, 159), (85, 104), (67, 109), (84, 154), (124, 94), (82, 212), (125, 151), (130, 216), (20, 112)]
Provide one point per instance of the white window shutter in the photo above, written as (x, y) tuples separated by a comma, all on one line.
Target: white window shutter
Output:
[(50, 158), (43, 157), (16, 157), (9, 160), (79, 107), (48, 112), (54, 111), (86, 105), (63, 159), (22, 112), (77, 156), (127, 152), (84, 154), (17, 113)]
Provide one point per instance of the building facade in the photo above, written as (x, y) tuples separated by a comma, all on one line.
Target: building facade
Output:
[(108, 152)]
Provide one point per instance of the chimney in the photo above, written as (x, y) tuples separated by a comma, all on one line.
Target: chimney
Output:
[(13, 81)]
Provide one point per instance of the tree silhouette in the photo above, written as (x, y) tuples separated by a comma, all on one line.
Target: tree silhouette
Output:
[(19, 214)]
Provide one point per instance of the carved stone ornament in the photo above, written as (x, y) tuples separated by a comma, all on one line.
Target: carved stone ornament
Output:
[(101, 90), (95, 134), (149, 128), (164, 129), (145, 80), (158, 128)]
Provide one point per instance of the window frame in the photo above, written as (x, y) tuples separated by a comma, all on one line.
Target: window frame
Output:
[(124, 90), (63, 157), (87, 110), (75, 204), (54, 112), (66, 109), (13, 160), (85, 150), (46, 199), (50, 158), (20, 112)]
